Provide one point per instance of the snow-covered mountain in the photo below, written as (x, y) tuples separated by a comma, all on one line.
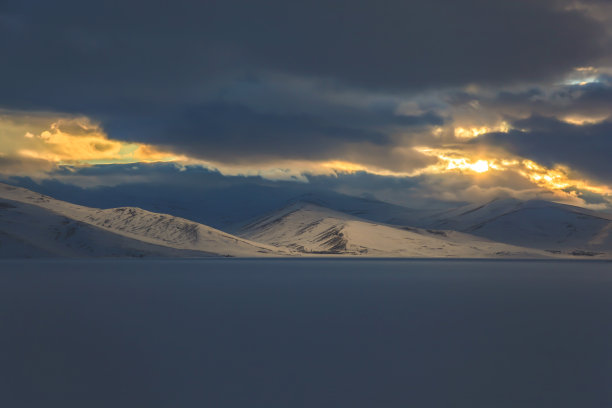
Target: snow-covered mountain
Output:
[(364, 208), (311, 229), (32, 224), (535, 224), (227, 205)]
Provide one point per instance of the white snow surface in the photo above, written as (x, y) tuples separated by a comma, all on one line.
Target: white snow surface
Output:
[(310, 229), (536, 224), (37, 225)]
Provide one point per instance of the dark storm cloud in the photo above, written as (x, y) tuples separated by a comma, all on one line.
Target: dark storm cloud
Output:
[(158, 72), (159, 48), (232, 133), (590, 99), (585, 148)]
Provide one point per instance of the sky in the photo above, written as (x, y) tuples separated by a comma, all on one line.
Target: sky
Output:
[(410, 102)]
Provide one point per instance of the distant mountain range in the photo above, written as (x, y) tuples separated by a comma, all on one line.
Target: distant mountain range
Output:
[(35, 225), (535, 224)]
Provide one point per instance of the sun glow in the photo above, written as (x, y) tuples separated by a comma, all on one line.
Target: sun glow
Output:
[(558, 178), (449, 161), (480, 166), (473, 132)]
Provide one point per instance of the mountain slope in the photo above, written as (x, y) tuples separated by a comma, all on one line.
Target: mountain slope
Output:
[(221, 202), (47, 226), (376, 211), (311, 229), (536, 224), (34, 225), (29, 231)]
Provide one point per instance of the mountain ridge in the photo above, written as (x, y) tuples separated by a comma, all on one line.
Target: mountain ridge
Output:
[(534, 223), (506, 228), (147, 227), (309, 228)]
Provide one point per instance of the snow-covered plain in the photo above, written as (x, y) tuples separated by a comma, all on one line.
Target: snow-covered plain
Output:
[(304, 333)]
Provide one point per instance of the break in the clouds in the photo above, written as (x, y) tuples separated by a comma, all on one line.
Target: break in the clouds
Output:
[(418, 100)]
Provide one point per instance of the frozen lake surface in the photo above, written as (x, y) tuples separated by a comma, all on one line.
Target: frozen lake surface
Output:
[(305, 333)]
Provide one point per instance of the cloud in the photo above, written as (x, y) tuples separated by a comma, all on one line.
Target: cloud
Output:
[(209, 196), (45, 140), (570, 99), (235, 134), (583, 148), (225, 79), (299, 90), (112, 53), (25, 167)]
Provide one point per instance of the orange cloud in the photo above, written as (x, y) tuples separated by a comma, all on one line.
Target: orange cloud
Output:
[(148, 153), (45, 141), (558, 178), (82, 141), (70, 140), (467, 132)]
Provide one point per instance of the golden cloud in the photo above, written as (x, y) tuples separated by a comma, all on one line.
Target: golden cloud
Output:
[(467, 132), (33, 140), (83, 141), (69, 140), (580, 120), (558, 178)]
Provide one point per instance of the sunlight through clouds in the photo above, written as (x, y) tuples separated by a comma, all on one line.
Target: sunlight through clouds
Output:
[(69, 140), (473, 132), (558, 178), (45, 141)]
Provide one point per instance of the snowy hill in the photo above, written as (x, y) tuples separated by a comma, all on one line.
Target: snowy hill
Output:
[(536, 224), (311, 229), (29, 231), (225, 206), (364, 208), (37, 225)]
